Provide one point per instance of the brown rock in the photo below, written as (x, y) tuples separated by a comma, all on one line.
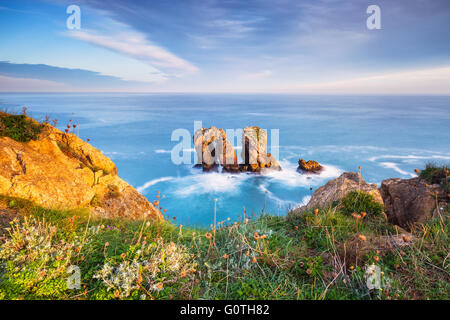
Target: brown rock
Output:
[(409, 201), (60, 171), (309, 166), (338, 188)]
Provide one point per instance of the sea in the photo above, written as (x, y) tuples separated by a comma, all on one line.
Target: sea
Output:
[(146, 135)]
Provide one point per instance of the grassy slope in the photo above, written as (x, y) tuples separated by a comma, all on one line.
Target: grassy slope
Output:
[(318, 255)]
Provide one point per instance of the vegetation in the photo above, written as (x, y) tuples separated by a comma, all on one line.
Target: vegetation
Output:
[(323, 254), (19, 127), (357, 201), (436, 174)]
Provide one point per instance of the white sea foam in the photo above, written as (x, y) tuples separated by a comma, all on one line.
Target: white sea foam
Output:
[(394, 166), (283, 203), (150, 183), (410, 157), (218, 182), (208, 183), (289, 176)]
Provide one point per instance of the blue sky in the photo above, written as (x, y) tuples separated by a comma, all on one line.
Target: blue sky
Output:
[(302, 46)]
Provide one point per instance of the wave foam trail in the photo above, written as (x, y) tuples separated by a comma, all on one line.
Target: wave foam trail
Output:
[(394, 166), (150, 183), (162, 151), (209, 183)]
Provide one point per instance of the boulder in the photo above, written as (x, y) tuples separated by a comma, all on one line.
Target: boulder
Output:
[(409, 201), (338, 188), (61, 171), (309, 166)]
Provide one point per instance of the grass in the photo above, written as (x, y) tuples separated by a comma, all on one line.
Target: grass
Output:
[(321, 254), (19, 127), (436, 174)]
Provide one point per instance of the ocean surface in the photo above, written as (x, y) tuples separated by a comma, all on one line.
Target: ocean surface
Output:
[(388, 136)]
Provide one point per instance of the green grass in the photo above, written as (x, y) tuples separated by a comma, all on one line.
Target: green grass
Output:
[(357, 201), (19, 127), (308, 256), (436, 174)]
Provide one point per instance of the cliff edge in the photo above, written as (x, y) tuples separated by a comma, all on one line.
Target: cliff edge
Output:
[(58, 170)]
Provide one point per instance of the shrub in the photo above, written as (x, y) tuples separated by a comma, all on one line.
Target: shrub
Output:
[(113, 191), (96, 201), (19, 127), (358, 201), (35, 261), (146, 269), (435, 174)]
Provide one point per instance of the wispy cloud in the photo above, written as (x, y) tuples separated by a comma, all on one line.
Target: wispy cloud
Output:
[(135, 45), (425, 81), (10, 84)]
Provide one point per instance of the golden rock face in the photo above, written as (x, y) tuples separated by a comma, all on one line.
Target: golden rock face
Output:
[(309, 166), (61, 171)]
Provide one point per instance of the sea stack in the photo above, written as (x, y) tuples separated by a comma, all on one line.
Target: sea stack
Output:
[(214, 149)]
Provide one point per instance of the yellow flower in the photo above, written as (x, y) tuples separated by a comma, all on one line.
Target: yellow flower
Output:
[(316, 212), (362, 237)]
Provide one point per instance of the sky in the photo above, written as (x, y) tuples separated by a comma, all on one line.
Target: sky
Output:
[(245, 46)]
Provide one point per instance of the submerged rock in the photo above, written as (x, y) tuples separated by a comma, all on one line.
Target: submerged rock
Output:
[(409, 201), (309, 166), (60, 171)]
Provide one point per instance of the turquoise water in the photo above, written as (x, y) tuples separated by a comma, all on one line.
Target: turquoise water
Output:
[(389, 136)]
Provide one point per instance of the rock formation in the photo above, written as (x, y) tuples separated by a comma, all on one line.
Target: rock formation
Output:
[(309, 166), (409, 201), (338, 188), (213, 149), (60, 171), (254, 151)]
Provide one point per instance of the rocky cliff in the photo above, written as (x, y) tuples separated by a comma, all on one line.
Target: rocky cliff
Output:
[(59, 170)]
